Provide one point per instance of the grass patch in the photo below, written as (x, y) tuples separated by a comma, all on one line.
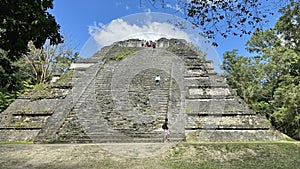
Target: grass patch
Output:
[(234, 155), (238, 155), (118, 53)]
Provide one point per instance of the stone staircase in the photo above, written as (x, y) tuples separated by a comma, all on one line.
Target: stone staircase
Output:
[(98, 117), (117, 101)]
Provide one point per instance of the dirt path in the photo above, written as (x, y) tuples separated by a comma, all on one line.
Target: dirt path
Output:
[(22, 156)]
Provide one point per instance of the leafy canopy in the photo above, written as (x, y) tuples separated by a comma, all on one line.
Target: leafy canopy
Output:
[(270, 81), (22, 21)]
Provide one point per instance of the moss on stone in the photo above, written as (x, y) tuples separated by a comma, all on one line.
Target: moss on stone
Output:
[(65, 79), (118, 53), (41, 91), (24, 111)]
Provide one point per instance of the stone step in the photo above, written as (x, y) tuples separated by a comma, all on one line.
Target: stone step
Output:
[(30, 114), (205, 84), (196, 66), (133, 140), (215, 105), (200, 79), (124, 134), (103, 85), (18, 135), (193, 57), (234, 135), (124, 105), (20, 128), (208, 90), (189, 74), (241, 122), (109, 86), (224, 113), (120, 137), (190, 97), (113, 138), (196, 76)]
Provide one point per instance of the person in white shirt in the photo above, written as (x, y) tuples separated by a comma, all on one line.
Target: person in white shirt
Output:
[(157, 80)]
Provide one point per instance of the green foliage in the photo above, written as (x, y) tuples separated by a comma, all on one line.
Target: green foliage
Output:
[(269, 82), (286, 116), (65, 79), (41, 91), (232, 155), (5, 100), (63, 61), (119, 53), (288, 25), (243, 74), (7, 72), (23, 21), (12, 83), (183, 49), (43, 63), (33, 71), (122, 55)]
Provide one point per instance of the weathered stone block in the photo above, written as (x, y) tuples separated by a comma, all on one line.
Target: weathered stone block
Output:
[(209, 91)]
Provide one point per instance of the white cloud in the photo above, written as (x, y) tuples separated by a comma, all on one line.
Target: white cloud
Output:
[(119, 30), (93, 29)]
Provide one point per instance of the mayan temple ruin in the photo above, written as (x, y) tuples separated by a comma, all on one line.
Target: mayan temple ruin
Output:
[(112, 97)]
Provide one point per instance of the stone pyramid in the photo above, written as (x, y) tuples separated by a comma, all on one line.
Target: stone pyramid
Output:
[(112, 97)]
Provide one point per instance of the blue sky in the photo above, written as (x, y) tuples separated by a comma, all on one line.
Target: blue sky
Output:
[(78, 18)]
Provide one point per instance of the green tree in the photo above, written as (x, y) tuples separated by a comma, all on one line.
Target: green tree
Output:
[(243, 74), (22, 21), (34, 68), (50, 59), (276, 84), (268, 82), (13, 81), (288, 25)]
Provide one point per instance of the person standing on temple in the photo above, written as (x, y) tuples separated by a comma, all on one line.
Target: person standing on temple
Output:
[(157, 80), (166, 129), (143, 43), (154, 45)]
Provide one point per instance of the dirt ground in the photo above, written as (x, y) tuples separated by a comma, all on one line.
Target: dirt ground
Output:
[(22, 156)]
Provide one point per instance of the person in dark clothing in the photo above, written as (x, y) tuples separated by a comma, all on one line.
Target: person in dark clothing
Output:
[(166, 129)]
